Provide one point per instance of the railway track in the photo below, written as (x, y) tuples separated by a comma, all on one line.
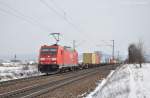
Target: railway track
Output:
[(24, 82), (11, 82), (15, 81), (39, 89)]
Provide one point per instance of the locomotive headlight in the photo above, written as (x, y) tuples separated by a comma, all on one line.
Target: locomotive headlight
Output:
[(42, 59), (54, 62), (53, 59)]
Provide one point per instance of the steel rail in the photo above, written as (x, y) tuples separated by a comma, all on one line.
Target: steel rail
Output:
[(12, 82), (43, 76)]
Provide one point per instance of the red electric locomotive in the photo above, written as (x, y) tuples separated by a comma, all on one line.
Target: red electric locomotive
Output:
[(55, 58)]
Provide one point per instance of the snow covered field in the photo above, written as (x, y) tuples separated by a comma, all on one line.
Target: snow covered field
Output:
[(19, 71), (129, 81)]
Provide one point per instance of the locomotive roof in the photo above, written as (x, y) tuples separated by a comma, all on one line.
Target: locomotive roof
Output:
[(65, 47), (68, 48)]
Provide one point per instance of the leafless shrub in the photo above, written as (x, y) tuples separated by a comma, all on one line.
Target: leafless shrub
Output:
[(25, 67)]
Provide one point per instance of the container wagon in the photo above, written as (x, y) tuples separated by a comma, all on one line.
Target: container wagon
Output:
[(90, 59)]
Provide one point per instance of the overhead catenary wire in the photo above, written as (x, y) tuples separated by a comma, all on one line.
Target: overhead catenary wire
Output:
[(18, 14), (5, 8), (66, 15), (61, 9), (68, 19), (63, 16), (64, 12)]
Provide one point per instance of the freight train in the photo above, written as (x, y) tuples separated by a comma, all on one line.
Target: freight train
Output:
[(56, 58)]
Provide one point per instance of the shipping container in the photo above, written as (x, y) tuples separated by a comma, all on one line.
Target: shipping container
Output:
[(91, 58), (98, 57), (87, 58)]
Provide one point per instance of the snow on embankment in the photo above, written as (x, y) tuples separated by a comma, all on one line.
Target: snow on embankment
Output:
[(16, 72), (129, 81)]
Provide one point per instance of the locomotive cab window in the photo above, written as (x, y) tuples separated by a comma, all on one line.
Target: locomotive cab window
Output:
[(50, 51)]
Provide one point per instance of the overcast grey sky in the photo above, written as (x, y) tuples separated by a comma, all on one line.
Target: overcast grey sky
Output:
[(25, 24)]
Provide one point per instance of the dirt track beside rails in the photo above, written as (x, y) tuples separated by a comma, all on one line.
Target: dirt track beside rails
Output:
[(78, 89)]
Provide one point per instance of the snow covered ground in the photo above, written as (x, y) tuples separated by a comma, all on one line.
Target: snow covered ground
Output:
[(19, 71), (129, 81)]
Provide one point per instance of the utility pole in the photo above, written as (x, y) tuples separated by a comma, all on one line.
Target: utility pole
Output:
[(74, 45), (118, 57), (113, 50), (15, 57), (118, 54)]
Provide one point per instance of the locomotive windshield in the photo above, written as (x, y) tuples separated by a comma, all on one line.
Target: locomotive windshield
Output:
[(51, 51)]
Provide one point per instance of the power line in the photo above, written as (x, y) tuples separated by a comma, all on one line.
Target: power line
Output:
[(61, 9), (64, 16), (22, 16), (60, 15), (68, 19), (112, 45), (64, 12), (51, 8)]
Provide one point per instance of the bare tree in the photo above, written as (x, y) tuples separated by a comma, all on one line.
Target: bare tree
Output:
[(136, 53), (140, 55)]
